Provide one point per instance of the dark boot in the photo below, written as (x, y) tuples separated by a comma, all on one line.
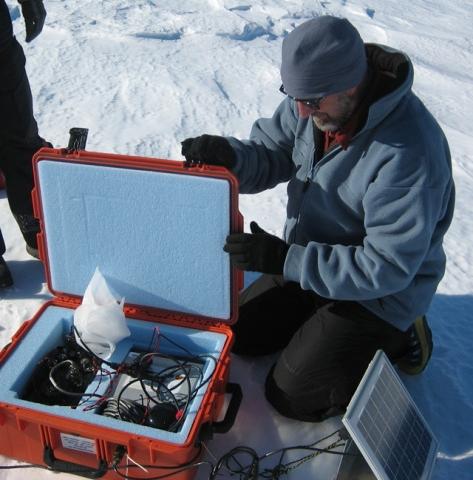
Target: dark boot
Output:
[(6, 279), (420, 347), (29, 227)]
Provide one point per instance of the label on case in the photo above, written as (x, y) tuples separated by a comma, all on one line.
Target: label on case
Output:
[(80, 444)]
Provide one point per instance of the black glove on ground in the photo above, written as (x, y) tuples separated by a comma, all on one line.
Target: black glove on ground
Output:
[(34, 13), (209, 149), (257, 251)]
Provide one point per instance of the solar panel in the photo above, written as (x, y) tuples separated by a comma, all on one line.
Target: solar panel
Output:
[(388, 428)]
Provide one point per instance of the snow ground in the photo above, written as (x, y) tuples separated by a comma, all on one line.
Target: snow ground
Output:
[(144, 75)]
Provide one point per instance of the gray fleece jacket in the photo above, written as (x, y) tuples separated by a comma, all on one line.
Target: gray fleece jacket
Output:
[(366, 223)]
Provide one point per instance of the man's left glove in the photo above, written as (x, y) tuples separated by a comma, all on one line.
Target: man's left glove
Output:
[(34, 13), (258, 251)]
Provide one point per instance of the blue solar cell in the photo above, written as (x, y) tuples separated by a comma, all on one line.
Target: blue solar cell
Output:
[(387, 427), (402, 432)]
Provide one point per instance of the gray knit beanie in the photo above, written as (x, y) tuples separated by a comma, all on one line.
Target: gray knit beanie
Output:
[(322, 56)]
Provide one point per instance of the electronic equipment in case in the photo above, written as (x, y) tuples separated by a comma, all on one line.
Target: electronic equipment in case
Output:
[(170, 379)]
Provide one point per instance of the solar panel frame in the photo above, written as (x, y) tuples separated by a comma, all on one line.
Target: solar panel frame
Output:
[(353, 465), (385, 440)]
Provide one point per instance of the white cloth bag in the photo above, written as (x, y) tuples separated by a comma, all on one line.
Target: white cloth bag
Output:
[(99, 319)]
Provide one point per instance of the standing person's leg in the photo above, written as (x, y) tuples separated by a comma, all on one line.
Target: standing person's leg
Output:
[(19, 138), (5, 34), (6, 29), (319, 370), (5, 275)]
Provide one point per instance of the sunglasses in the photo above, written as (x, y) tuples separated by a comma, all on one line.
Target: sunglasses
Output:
[(311, 102)]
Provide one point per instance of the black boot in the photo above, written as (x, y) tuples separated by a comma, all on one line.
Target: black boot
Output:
[(29, 227), (6, 279), (420, 347)]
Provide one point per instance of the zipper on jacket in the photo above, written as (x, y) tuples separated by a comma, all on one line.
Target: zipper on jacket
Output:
[(304, 189), (316, 163), (314, 166)]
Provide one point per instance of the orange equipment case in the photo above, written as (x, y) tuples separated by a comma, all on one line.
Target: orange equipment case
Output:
[(112, 211)]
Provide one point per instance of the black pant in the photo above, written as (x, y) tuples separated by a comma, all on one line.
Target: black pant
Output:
[(19, 138), (326, 345)]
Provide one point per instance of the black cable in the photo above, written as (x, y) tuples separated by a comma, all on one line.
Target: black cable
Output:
[(192, 392), (119, 408), (120, 403), (184, 349), (86, 347), (177, 468), (104, 396), (62, 390), (159, 477), (207, 380), (192, 355), (284, 449), (304, 447), (249, 472), (283, 468), (186, 369), (100, 375), (181, 409), (125, 403), (125, 410)]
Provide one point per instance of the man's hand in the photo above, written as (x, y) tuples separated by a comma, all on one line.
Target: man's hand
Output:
[(210, 149), (34, 13), (257, 251)]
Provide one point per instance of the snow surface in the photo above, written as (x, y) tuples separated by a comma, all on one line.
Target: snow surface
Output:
[(143, 75)]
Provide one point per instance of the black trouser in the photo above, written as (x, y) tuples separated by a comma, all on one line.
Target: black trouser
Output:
[(2, 244), (19, 138), (326, 345)]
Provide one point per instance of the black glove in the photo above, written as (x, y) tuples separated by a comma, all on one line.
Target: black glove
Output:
[(34, 13), (257, 251), (210, 149)]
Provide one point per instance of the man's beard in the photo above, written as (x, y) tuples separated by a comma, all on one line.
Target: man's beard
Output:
[(331, 123)]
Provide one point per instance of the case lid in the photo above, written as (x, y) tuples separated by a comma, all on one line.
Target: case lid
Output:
[(155, 229)]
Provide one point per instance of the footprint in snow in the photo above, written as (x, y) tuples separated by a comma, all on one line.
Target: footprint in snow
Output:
[(240, 8), (250, 32)]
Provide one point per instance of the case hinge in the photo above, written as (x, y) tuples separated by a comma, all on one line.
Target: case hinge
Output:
[(69, 301), (173, 318)]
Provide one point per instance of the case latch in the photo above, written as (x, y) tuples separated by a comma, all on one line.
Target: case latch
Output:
[(77, 139)]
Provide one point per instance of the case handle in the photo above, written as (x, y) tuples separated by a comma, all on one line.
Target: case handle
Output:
[(230, 416), (77, 139), (74, 468)]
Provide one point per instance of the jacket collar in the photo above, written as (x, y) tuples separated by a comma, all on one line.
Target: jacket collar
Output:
[(391, 75)]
